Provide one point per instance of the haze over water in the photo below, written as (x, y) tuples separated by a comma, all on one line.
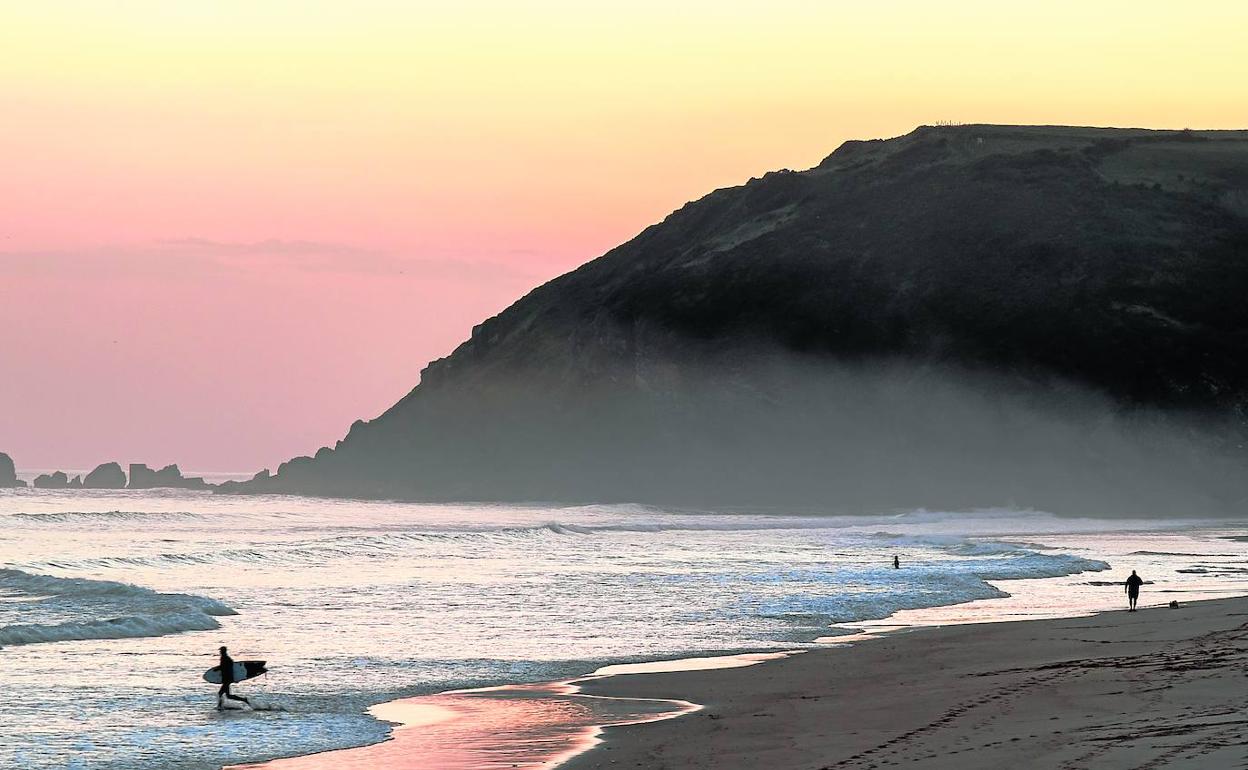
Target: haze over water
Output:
[(113, 603)]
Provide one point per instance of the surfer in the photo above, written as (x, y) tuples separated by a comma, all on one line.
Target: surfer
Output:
[(227, 679), (1133, 590)]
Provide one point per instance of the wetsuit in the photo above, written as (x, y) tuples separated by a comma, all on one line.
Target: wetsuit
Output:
[(227, 679)]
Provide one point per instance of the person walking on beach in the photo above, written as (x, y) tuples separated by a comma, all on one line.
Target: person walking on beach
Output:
[(227, 679), (1133, 590)]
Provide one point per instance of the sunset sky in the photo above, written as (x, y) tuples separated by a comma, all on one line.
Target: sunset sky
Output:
[(231, 227)]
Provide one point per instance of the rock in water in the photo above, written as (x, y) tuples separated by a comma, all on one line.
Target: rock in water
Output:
[(141, 476), (8, 473), (55, 480), (106, 476), (170, 476), (963, 316)]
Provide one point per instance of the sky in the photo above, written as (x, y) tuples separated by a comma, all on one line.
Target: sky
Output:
[(230, 228)]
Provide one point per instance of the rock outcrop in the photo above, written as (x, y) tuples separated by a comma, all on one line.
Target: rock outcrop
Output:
[(54, 480), (168, 477), (8, 473), (962, 316), (111, 476), (105, 476)]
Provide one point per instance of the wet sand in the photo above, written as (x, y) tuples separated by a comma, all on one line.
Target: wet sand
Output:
[(1157, 688), (538, 725), (522, 725)]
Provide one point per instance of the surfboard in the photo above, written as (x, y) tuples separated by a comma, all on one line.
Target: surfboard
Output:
[(243, 670)]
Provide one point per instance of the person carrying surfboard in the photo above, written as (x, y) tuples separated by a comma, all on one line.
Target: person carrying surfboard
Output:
[(227, 679)]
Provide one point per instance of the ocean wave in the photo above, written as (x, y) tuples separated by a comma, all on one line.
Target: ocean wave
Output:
[(594, 529), (371, 545), (1003, 560), (878, 591), (1037, 565), (132, 627), (103, 516), (351, 546), (468, 541), (956, 544), (79, 608), (1192, 554)]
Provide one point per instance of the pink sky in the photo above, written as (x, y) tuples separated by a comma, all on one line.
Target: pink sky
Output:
[(228, 230)]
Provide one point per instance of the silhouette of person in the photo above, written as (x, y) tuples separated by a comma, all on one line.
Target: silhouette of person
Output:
[(227, 679), (896, 563), (1133, 590)]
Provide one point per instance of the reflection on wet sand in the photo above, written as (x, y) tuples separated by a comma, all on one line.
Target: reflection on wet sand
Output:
[(517, 725), (537, 725)]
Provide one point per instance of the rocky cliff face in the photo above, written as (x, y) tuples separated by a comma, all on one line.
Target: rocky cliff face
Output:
[(970, 315)]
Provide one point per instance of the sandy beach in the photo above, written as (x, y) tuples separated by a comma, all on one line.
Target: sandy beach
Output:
[(1157, 688)]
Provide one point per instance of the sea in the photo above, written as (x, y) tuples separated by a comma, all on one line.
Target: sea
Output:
[(113, 603)]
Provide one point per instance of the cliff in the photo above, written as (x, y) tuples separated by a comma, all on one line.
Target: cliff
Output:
[(969, 315)]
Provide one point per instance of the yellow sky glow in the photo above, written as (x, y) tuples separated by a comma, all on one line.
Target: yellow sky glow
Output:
[(518, 139)]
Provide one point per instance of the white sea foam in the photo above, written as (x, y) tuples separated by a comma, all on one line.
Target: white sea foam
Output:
[(450, 541), (76, 603), (114, 628), (354, 602)]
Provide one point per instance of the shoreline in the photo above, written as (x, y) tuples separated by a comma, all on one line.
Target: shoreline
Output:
[(570, 742), (844, 705), (360, 606), (544, 724), (539, 724), (1112, 689)]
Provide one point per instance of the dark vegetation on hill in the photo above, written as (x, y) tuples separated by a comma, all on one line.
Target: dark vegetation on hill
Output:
[(971, 315)]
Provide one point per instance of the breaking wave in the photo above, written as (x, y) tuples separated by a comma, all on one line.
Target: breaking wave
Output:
[(77, 608), (103, 516), (1024, 559), (1012, 561), (877, 591)]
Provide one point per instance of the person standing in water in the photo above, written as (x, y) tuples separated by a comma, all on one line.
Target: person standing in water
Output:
[(896, 563), (227, 679), (1133, 590)]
